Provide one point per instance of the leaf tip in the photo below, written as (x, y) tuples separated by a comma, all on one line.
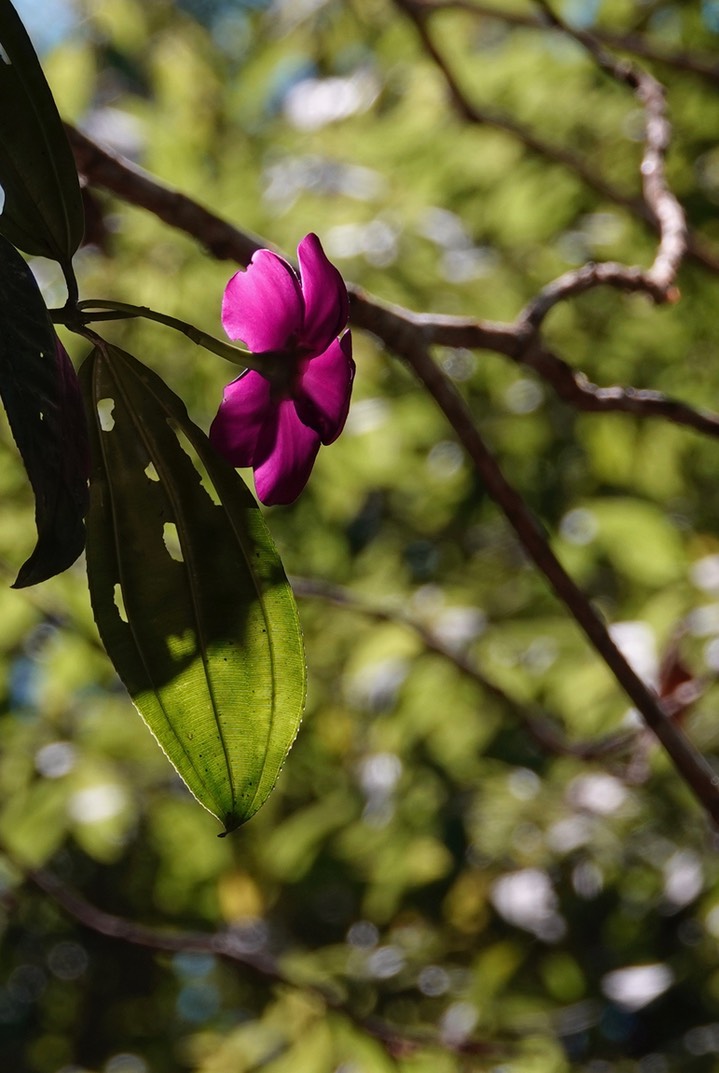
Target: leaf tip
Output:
[(232, 822)]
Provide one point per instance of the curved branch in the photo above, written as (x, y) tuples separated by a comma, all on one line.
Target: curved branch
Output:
[(664, 208), (627, 278)]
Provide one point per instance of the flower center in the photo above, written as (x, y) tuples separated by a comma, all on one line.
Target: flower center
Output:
[(284, 370)]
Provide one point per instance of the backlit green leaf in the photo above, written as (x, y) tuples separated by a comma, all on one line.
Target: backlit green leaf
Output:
[(41, 395), (42, 211), (188, 591)]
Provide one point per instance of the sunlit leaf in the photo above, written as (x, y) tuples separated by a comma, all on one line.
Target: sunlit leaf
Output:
[(42, 211), (188, 591), (41, 395)]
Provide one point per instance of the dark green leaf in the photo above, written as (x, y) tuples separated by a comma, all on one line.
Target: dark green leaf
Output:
[(42, 213), (188, 591), (40, 391)]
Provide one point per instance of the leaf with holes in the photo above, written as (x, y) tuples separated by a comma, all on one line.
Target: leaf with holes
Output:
[(41, 394), (42, 211), (188, 591)]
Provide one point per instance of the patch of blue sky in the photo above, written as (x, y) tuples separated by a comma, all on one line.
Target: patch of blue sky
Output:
[(582, 14), (48, 22), (710, 14)]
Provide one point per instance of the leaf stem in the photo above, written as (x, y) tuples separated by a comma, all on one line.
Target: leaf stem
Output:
[(71, 284)]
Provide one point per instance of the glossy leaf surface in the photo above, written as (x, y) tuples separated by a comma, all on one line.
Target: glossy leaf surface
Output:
[(41, 394), (42, 211), (189, 592)]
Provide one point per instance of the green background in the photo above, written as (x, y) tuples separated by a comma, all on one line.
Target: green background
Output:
[(462, 892)]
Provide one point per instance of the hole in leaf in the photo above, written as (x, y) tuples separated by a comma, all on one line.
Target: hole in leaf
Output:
[(172, 541), (4, 57), (205, 479), (104, 413), (151, 473), (2, 199), (119, 601)]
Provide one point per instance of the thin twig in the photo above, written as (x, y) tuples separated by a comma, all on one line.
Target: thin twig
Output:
[(575, 389), (537, 724), (488, 117), (231, 945), (696, 247), (228, 944), (702, 65)]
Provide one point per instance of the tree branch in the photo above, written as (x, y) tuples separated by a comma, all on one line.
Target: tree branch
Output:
[(226, 242), (409, 335), (698, 775), (137, 187), (390, 323)]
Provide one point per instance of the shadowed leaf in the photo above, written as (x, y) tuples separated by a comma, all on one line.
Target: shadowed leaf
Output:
[(42, 211), (188, 591), (40, 391)]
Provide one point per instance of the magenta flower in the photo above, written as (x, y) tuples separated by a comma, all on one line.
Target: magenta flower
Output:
[(276, 426)]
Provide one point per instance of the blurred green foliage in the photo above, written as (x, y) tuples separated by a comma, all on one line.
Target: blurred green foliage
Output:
[(424, 854)]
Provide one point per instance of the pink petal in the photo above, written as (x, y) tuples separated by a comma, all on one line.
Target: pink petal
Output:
[(285, 454), (325, 296), (246, 405), (263, 305), (325, 387)]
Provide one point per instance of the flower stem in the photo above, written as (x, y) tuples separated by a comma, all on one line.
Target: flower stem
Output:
[(104, 309)]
